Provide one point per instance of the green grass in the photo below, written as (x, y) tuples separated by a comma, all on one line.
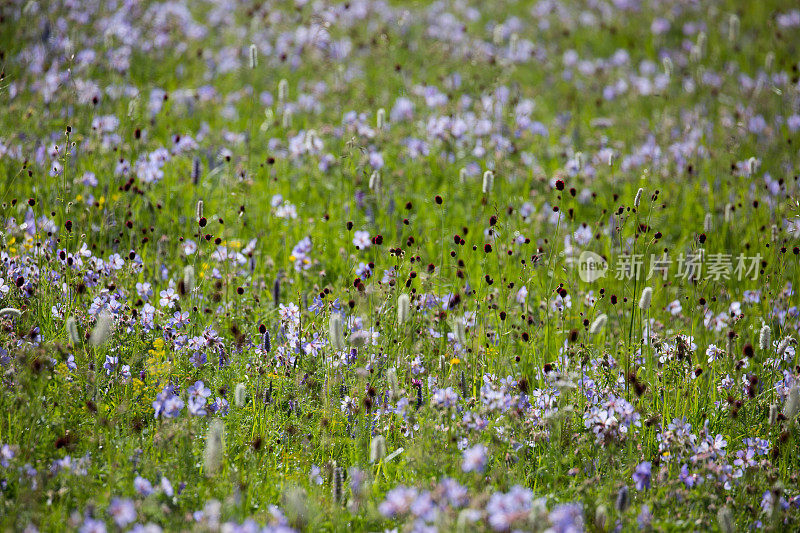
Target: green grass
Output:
[(292, 420)]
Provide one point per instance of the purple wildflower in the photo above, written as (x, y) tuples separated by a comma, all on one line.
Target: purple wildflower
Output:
[(475, 458), (641, 476), (167, 403)]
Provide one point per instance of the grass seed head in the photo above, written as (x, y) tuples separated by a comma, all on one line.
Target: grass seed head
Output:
[(102, 329), (646, 299), (598, 324), (240, 394), (764, 337), (72, 331), (215, 447), (377, 449), (488, 182), (253, 56), (336, 331), (403, 308)]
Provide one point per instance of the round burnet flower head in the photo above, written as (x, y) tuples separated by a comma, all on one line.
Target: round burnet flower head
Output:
[(646, 298), (215, 447), (403, 308)]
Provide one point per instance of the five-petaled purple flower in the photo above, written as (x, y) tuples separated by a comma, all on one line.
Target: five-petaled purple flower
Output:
[(167, 403)]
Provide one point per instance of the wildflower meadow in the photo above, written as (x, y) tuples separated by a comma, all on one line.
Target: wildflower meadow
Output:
[(374, 265)]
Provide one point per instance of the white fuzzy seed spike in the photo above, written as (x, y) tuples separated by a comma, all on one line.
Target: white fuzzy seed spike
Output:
[(72, 331), (764, 337), (667, 63), (336, 332), (783, 345), (733, 28), (188, 278), (646, 298), (638, 197), (253, 56), (215, 447), (240, 394), (488, 182), (792, 404), (380, 120), (102, 329), (403, 308), (10, 311), (725, 520), (375, 181), (460, 332), (598, 324), (377, 449), (283, 90), (394, 386)]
